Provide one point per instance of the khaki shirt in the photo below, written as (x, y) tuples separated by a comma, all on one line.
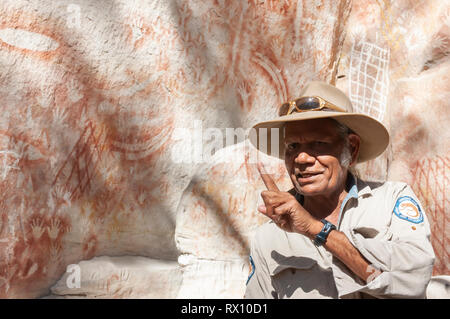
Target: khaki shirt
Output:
[(384, 221)]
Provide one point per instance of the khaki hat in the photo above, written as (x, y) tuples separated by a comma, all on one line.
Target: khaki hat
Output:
[(374, 135)]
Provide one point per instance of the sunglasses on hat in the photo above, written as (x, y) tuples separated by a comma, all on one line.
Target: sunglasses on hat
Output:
[(305, 104)]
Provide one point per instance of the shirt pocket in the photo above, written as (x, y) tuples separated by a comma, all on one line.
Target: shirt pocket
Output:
[(302, 277)]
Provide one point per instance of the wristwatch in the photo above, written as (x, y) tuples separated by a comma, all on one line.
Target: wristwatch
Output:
[(321, 237)]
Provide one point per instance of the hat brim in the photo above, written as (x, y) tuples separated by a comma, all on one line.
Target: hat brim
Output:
[(374, 135)]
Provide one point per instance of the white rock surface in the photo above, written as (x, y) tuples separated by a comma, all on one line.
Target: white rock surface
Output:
[(119, 277)]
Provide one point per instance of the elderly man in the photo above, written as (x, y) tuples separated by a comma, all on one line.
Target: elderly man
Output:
[(334, 235)]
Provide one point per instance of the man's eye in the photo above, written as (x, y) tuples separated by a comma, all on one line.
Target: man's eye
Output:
[(320, 143), (292, 146)]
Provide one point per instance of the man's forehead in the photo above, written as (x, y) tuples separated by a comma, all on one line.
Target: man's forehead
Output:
[(311, 128)]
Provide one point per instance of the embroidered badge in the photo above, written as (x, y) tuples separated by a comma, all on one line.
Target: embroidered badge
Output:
[(407, 208)]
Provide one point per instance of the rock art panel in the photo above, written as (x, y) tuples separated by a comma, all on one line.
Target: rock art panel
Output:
[(81, 137)]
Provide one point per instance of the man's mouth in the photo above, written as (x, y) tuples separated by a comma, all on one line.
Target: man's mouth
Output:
[(306, 174)]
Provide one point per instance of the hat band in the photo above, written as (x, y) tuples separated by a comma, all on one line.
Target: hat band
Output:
[(306, 104)]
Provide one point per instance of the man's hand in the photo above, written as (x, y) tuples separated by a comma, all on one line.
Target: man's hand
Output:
[(290, 216), (284, 209)]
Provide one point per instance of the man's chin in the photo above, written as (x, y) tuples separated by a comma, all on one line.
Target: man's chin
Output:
[(307, 183), (309, 190), (311, 194)]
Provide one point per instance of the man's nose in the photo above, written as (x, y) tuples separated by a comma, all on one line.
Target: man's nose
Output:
[(304, 158)]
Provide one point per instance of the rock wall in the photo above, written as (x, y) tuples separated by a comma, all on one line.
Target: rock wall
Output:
[(125, 169)]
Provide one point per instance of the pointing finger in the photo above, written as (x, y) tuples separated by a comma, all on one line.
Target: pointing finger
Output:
[(267, 178)]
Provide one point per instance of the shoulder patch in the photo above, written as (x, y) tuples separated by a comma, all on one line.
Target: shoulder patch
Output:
[(407, 208)]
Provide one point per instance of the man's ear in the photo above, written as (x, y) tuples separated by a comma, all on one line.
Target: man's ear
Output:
[(354, 141)]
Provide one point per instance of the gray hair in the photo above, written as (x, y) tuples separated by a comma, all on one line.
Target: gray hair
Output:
[(343, 130), (346, 155)]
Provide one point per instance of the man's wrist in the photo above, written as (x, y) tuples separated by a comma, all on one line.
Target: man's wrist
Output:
[(314, 229)]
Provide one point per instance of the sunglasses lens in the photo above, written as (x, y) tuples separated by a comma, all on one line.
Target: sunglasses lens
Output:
[(283, 109), (309, 103)]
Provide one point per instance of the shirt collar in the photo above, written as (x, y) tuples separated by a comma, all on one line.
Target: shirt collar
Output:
[(356, 188), (362, 188), (352, 186)]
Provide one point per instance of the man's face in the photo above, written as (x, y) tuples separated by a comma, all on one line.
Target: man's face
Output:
[(312, 157)]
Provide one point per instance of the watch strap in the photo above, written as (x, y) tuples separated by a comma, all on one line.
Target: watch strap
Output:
[(321, 237)]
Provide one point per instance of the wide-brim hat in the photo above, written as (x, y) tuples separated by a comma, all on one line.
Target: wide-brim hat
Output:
[(373, 134)]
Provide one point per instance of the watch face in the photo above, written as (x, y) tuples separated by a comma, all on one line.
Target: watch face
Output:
[(327, 226)]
